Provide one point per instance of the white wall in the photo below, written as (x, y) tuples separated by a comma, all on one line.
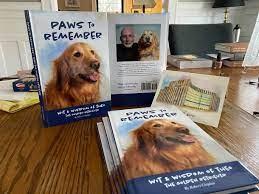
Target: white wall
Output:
[(15, 53), (248, 19), (201, 12)]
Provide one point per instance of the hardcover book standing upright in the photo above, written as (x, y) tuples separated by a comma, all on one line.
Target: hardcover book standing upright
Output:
[(138, 44), (162, 151), (71, 57)]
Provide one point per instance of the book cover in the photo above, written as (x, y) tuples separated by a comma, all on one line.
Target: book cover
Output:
[(199, 96), (236, 47), (70, 55), (163, 151), (138, 44)]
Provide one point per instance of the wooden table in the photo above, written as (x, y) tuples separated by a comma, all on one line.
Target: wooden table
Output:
[(67, 158)]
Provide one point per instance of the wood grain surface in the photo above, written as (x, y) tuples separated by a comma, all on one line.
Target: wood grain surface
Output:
[(67, 158), (63, 159), (238, 133)]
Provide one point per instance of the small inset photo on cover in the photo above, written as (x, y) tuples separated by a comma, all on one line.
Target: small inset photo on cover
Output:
[(138, 42)]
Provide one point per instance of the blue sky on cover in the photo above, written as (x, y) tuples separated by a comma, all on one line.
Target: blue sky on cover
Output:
[(124, 130), (126, 127), (47, 55), (166, 82)]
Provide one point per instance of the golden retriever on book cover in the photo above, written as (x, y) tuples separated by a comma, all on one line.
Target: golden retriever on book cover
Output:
[(148, 46), (75, 78), (161, 146)]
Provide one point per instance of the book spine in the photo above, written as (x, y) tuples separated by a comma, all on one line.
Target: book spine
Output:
[(166, 15), (219, 47), (230, 49), (232, 63), (238, 49), (239, 56), (34, 60)]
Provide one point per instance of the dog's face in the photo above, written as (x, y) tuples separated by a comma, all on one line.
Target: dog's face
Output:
[(147, 39), (161, 133), (78, 63)]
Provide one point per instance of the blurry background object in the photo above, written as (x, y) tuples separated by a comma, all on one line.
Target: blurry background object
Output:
[(72, 3), (143, 6), (227, 4), (182, 41), (252, 54), (113, 6), (236, 33)]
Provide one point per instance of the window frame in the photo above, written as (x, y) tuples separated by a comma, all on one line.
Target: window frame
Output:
[(122, 6)]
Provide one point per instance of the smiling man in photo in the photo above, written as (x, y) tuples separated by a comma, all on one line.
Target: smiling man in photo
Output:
[(128, 49)]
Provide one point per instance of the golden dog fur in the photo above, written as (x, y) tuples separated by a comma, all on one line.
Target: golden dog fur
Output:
[(75, 78), (148, 46), (161, 146)]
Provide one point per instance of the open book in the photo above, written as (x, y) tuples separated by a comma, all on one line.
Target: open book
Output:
[(76, 53)]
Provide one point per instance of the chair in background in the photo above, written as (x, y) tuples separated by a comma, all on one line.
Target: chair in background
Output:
[(198, 39)]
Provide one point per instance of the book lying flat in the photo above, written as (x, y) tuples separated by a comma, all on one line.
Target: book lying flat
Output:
[(234, 56), (160, 150), (183, 62), (229, 63), (237, 47), (115, 180)]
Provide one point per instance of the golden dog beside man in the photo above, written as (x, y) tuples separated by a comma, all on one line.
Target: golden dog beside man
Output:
[(147, 48)]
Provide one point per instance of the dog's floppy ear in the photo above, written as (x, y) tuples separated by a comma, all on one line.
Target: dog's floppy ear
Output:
[(155, 40), (143, 140), (137, 138), (140, 42), (61, 73)]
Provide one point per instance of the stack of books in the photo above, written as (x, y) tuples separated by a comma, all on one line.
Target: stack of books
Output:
[(235, 51), (161, 150)]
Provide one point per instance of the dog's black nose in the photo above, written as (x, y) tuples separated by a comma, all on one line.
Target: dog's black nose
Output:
[(95, 66), (148, 38)]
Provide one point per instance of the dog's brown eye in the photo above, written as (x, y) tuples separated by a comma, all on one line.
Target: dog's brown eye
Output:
[(77, 54), (173, 122), (92, 52), (157, 125)]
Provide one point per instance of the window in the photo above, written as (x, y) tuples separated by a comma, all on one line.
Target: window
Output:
[(109, 6)]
